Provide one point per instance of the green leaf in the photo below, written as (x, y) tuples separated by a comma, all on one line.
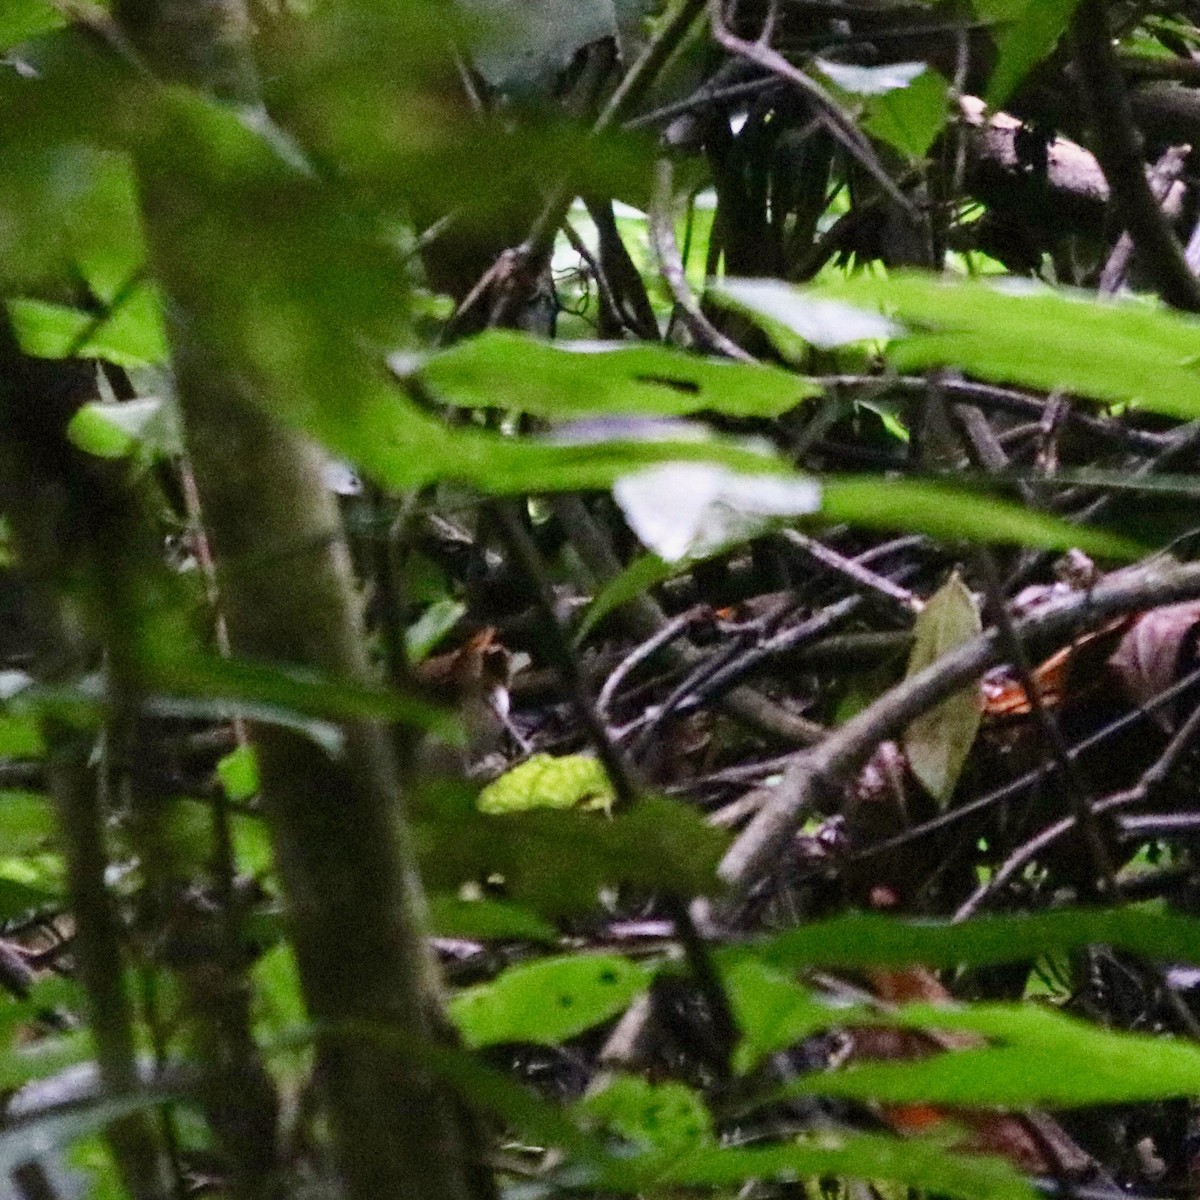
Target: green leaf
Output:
[(453, 917), (131, 334), (911, 119), (948, 512), (423, 635), (238, 773), (938, 742), (26, 821), (546, 781), (773, 1010), (556, 862), (1028, 30), (548, 1001), (911, 1162), (20, 736), (560, 381), (201, 675), (118, 430), (662, 1116), (1012, 331), (643, 573), (1043, 1058), (24, 19), (868, 939)]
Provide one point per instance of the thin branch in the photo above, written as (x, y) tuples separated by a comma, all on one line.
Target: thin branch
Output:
[(1119, 150), (819, 775), (839, 124), (670, 263)]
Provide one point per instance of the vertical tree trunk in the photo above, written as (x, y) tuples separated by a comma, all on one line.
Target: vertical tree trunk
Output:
[(287, 592)]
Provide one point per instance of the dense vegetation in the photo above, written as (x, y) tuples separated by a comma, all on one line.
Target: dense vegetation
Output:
[(599, 598)]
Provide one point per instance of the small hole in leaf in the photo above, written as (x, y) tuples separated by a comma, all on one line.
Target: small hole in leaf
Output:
[(678, 385)]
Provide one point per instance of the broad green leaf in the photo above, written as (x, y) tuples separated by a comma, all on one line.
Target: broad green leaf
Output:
[(773, 1010), (557, 862), (643, 573), (1027, 31), (910, 120), (423, 635), (450, 916), (1012, 331), (238, 773), (938, 742), (913, 1163), (1041, 1058), (690, 510), (548, 1001), (26, 821), (661, 1116), (118, 430), (302, 289), (23, 19), (546, 781), (558, 381), (948, 512), (868, 939), (20, 736), (203, 676), (129, 335), (68, 213)]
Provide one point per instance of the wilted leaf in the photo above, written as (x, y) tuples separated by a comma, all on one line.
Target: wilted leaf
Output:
[(549, 1001), (937, 743), (1150, 656)]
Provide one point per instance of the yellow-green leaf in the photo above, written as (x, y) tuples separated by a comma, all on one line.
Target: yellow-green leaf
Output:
[(937, 744)]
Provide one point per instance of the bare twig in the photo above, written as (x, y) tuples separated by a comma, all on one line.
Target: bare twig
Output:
[(1119, 150), (662, 237), (839, 124), (820, 774)]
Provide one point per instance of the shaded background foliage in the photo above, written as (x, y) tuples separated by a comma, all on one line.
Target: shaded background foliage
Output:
[(522, 521)]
